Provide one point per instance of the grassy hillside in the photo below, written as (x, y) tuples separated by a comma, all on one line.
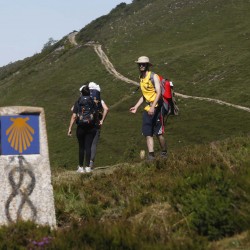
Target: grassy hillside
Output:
[(199, 196), (202, 45), (196, 199), (197, 44)]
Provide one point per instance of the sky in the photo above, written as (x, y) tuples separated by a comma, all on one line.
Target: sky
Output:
[(26, 25)]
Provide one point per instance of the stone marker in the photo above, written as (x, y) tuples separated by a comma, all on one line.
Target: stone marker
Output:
[(26, 191)]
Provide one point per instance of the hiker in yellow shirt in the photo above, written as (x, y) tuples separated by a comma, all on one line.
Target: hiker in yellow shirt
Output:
[(153, 122)]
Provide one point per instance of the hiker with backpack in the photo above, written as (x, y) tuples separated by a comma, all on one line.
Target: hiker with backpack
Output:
[(85, 116), (102, 109), (153, 120)]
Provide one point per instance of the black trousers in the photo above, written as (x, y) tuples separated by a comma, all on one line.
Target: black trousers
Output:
[(94, 144), (85, 136)]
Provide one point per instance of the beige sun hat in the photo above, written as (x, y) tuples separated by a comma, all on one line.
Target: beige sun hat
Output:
[(143, 59)]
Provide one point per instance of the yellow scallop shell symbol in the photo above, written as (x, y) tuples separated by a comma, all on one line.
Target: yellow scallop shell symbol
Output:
[(20, 134)]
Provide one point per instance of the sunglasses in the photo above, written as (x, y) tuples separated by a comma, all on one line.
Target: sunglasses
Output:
[(142, 64)]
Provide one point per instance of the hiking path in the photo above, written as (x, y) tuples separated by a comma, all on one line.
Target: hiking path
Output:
[(111, 69)]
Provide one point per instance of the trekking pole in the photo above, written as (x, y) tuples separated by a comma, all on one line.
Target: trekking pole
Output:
[(136, 90), (166, 119)]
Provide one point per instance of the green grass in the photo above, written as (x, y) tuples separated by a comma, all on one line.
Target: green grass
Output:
[(193, 200), (196, 44), (201, 192)]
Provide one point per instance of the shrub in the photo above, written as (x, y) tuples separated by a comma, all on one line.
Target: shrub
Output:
[(210, 202), (24, 235)]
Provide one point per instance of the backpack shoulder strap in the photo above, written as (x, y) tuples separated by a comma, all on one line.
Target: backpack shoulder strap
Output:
[(152, 74)]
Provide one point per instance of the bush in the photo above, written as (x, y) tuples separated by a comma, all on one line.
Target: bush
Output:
[(24, 235), (210, 202)]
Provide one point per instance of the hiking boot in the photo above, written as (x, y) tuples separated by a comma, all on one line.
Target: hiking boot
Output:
[(150, 158), (80, 170), (164, 154), (88, 169)]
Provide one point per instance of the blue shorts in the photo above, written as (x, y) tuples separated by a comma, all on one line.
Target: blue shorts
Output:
[(153, 124)]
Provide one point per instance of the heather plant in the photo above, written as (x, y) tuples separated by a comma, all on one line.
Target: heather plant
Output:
[(210, 200), (206, 193), (200, 194), (184, 202), (25, 235)]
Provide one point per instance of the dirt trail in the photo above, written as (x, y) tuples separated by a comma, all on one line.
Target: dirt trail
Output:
[(108, 65), (67, 176), (111, 69), (72, 38), (214, 100)]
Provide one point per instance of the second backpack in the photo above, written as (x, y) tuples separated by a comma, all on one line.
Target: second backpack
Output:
[(96, 96), (168, 96), (86, 111)]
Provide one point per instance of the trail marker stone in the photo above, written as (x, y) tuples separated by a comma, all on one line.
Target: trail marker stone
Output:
[(26, 191)]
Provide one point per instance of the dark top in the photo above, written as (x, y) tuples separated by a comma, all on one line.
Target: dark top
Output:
[(77, 106)]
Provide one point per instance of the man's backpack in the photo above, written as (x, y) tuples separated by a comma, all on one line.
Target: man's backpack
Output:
[(86, 111), (168, 97)]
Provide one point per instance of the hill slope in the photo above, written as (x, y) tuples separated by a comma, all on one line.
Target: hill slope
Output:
[(198, 198), (198, 195), (196, 43)]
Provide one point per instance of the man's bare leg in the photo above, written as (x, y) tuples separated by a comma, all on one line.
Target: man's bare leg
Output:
[(162, 142), (150, 145)]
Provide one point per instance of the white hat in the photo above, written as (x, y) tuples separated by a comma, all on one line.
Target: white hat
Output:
[(95, 86), (143, 59)]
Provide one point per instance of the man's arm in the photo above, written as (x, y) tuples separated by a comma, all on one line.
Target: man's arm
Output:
[(137, 105)]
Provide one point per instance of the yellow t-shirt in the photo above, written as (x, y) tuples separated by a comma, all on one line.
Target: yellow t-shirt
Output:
[(148, 90)]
